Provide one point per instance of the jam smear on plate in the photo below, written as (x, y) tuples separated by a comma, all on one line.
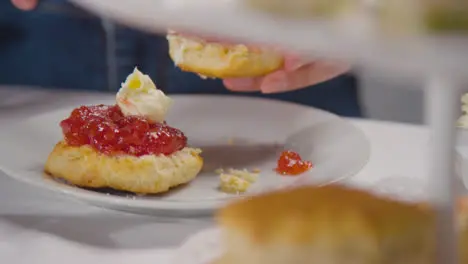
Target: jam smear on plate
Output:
[(291, 163), (107, 130)]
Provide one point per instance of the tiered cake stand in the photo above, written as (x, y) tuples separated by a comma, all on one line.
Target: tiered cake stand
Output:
[(439, 61)]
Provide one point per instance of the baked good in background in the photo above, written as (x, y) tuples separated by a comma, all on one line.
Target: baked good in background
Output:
[(304, 8), (221, 60), (422, 16), (127, 146), (394, 17), (331, 224)]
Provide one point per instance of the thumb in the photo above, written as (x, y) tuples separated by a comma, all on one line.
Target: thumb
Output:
[(293, 62), (25, 4)]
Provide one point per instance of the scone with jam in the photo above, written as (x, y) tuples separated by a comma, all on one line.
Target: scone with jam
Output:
[(127, 146)]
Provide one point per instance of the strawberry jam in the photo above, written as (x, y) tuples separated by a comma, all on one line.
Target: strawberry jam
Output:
[(290, 163), (107, 130)]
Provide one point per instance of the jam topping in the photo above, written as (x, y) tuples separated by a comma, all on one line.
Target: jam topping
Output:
[(107, 130), (291, 163)]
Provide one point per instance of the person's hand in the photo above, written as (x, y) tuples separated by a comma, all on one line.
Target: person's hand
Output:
[(295, 74), (25, 4)]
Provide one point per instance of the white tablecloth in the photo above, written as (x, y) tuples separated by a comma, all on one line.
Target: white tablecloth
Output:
[(40, 227)]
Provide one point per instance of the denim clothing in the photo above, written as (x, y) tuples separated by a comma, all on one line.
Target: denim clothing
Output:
[(61, 46)]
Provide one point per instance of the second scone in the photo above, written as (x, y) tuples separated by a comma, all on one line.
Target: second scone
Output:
[(333, 225), (219, 60)]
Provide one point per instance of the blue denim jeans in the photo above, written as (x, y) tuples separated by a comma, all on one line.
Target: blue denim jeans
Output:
[(61, 46)]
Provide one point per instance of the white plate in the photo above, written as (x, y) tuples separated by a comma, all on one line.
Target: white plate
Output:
[(259, 129)]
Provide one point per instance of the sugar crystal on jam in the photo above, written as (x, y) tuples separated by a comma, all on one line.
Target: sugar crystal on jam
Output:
[(107, 130), (291, 163)]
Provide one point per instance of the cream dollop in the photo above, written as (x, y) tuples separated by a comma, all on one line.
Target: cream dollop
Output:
[(140, 96)]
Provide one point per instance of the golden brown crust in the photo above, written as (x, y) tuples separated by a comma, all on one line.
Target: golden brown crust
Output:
[(83, 166), (314, 209), (331, 224), (221, 61)]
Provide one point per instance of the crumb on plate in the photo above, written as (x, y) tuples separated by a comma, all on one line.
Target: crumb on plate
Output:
[(236, 181)]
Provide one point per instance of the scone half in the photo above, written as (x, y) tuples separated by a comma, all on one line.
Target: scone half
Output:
[(85, 167), (216, 60)]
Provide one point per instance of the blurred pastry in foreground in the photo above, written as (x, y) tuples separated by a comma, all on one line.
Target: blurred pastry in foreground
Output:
[(221, 60), (127, 146), (333, 225)]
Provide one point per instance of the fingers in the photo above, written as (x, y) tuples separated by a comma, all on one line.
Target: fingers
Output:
[(292, 62), (243, 84), (283, 81), (25, 4), (307, 75)]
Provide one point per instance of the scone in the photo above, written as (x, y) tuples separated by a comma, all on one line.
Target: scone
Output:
[(332, 224), (220, 60), (127, 146), (84, 166)]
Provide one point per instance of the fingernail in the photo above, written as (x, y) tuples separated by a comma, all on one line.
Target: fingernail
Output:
[(297, 65), (25, 4), (239, 84), (293, 62), (275, 84)]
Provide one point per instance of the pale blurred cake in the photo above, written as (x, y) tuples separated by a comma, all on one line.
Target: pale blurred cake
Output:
[(332, 225)]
